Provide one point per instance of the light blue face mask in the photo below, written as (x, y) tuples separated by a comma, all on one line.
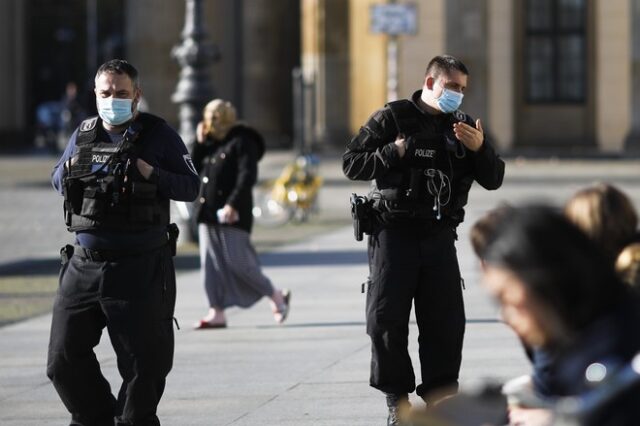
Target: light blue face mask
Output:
[(115, 111), (449, 100)]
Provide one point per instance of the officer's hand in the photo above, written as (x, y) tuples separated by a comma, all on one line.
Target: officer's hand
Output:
[(471, 137), (200, 136), (144, 168), (229, 214), (400, 146)]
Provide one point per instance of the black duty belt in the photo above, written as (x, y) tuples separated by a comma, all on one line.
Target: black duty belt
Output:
[(404, 207), (105, 255), (392, 194)]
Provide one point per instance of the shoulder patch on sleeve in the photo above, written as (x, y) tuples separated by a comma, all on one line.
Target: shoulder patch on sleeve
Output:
[(190, 165), (88, 124)]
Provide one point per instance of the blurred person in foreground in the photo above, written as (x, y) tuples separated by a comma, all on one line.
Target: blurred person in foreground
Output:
[(423, 155), (560, 295), (117, 175), (226, 155), (608, 217), (525, 404)]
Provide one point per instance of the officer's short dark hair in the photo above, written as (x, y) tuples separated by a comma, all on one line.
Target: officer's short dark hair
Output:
[(444, 64), (119, 66)]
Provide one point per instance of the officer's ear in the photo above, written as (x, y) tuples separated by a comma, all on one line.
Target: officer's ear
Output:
[(429, 81)]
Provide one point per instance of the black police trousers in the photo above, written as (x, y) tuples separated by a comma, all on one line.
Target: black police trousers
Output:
[(419, 266), (134, 298)]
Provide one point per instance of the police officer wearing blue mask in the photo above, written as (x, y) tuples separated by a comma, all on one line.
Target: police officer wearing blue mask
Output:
[(422, 154), (117, 175)]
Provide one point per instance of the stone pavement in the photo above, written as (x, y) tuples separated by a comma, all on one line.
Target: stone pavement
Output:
[(313, 370)]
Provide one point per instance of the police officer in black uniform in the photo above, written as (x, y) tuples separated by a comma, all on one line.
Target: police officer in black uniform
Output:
[(117, 175), (423, 155)]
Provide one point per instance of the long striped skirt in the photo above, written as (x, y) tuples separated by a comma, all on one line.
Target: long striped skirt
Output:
[(230, 268)]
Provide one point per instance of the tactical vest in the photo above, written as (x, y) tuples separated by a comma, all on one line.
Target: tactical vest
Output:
[(427, 190), (103, 188)]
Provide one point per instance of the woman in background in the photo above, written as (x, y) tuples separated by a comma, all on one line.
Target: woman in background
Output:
[(226, 155)]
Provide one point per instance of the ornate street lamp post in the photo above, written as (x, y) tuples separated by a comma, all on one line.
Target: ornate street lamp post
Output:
[(195, 54)]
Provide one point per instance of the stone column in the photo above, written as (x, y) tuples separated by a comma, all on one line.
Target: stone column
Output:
[(223, 23), (13, 118), (312, 52), (501, 80), (148, 48), (613, 74), (467, 40), (633, 139), (368, 60), (270, 50), (325, 63), (416, 50)]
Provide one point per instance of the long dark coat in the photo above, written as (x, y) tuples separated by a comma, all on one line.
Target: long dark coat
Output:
[(228, 171)]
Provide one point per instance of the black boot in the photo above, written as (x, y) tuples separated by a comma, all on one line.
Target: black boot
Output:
[(396, 403)]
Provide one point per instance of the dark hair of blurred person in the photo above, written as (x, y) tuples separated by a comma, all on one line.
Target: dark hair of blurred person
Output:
[(606, 215), (484, 228), (557, 263), (559, 293)]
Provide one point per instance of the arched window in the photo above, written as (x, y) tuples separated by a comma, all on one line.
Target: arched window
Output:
[(555, 51)]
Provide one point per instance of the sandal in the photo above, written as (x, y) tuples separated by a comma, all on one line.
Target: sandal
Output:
[(203, 325), (281, 311)]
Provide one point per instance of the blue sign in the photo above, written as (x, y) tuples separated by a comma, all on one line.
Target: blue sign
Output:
[(394, 19)]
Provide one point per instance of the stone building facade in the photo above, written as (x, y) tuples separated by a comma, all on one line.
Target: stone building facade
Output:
[(546, 75)]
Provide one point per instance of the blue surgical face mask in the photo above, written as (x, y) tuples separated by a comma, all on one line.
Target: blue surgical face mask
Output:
[(115, 111), (449, 100)]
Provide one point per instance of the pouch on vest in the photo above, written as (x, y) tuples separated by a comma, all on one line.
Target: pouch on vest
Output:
[(72, 199), (143, 200), (93, 203)]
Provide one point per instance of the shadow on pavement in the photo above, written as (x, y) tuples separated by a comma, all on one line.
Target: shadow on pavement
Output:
[(41, 267), (331, 257), (290, 259), (362, 323), (31, 267)]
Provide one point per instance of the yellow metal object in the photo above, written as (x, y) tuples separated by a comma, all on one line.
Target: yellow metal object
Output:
[(293, 195), (297, 189)]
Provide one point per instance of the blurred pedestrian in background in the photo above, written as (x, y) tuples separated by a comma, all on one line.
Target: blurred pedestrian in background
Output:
[(226, 155), (606, 215), (71, 114)]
